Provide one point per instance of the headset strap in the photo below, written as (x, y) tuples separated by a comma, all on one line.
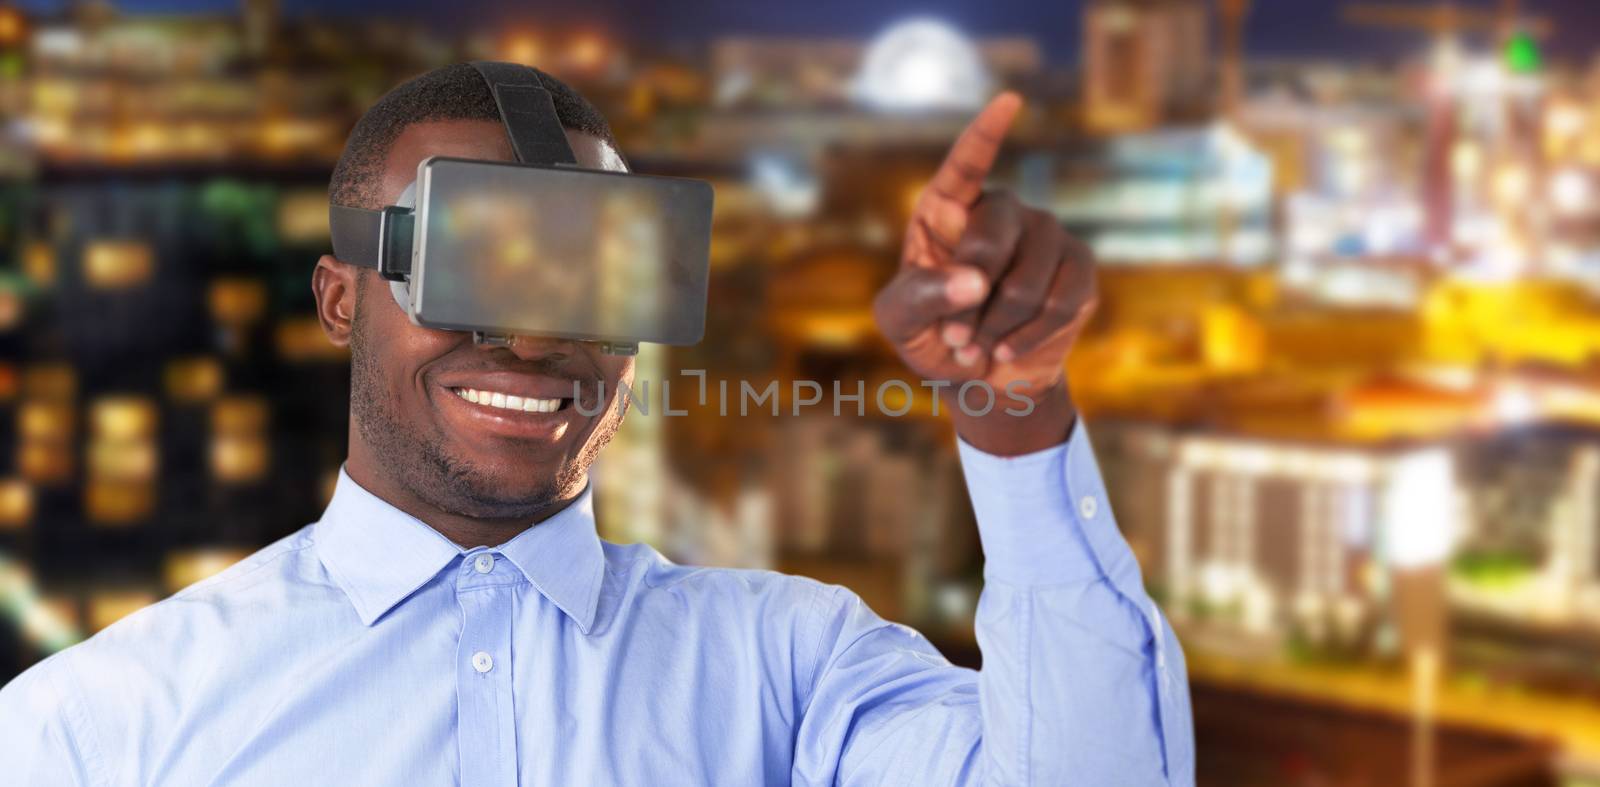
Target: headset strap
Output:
[(529, 112), (381, 239)]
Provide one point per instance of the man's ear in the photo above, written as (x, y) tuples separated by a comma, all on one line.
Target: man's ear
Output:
[(334, 284)]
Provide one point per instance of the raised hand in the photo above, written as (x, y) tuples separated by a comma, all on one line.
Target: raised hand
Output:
[(990, 290)]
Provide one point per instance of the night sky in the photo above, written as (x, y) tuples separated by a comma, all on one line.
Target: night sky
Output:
[(1276, 27)]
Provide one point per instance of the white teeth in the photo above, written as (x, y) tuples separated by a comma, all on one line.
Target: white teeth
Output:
[(509, 402)]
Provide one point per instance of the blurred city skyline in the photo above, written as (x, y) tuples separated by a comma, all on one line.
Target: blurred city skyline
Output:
[(1274, 28), (1344, 381)]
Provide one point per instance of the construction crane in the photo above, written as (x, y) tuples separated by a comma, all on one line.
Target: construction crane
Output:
[(1446, 22), (1231, 14), (1446, 19)]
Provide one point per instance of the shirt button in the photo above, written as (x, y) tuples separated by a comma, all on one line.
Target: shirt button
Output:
[(482, 662), (1088, 507), (483, 563)]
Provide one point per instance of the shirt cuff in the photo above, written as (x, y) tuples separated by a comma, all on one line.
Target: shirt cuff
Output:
[(1044, 517)]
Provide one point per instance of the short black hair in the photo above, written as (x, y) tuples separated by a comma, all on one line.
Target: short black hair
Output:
[(453, 92)]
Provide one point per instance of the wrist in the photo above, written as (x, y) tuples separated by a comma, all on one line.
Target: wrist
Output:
[(1011, 428)]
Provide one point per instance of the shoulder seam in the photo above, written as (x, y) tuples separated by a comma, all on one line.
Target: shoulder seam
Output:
[(817, 623), (75, 723)]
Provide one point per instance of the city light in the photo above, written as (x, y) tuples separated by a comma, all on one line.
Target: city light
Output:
[(1572, 191), (922, 64), (11, 29), (523, 49), (110, 264), (1342, 381), (1417, 509)]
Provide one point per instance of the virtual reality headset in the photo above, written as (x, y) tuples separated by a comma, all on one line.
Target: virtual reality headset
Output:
[(540, 247)]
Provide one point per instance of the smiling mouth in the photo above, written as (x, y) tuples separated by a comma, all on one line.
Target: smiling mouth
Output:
[(504, 401)]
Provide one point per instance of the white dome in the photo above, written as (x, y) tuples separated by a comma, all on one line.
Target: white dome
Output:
[(922, 64)]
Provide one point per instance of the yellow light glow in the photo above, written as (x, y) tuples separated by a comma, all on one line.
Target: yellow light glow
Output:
[(57, 381), (10, 26), (303, 217), (16, 503), (523, 49), (236, 302), (300, 339), (45, 462), (118, 502), (1466, 160), (239, 415), (12, 308), (193, 380), (112, 264), (39, 263), (185, 568), (239, 458), (108, 607), (1512, 184), (43, 419), (147, 140), (123, 460), (122, 418), (1565, 120), (587, 52)]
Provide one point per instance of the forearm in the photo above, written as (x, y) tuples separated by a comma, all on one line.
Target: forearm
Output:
[(1082, 680)]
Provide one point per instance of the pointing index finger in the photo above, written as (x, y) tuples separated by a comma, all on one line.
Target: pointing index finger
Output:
[(960, 178)]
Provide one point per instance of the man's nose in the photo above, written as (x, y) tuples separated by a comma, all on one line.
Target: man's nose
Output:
[(537, 348)]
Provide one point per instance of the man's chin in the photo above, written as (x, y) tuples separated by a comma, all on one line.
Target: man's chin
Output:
[(493, 487)]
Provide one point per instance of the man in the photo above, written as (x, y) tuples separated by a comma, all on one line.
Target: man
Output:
[(453, 617)]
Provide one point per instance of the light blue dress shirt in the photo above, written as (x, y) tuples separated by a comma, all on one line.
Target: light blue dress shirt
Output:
[(366, 649)]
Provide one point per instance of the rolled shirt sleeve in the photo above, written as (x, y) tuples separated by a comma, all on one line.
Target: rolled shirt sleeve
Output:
[(1083, 681)]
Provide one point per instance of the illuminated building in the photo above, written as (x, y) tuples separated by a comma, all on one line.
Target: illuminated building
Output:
[(1173, 196), (922, 64), (1281, 539), (802, 73), (1147, 63)]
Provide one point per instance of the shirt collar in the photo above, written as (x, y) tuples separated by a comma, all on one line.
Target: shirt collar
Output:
[(379, 554)]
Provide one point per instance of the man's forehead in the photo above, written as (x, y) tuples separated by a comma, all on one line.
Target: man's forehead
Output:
[(484, 140)]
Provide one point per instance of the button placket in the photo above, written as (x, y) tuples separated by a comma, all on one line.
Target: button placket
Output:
[(486, 734)]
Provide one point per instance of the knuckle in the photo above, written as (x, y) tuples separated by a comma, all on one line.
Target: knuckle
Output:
[(1041, 221), (1016, 296), (979, 248), (882, 307), (1062, 309), (1001, 200)]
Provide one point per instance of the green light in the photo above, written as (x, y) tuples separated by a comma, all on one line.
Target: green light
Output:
[(1522, 54)]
